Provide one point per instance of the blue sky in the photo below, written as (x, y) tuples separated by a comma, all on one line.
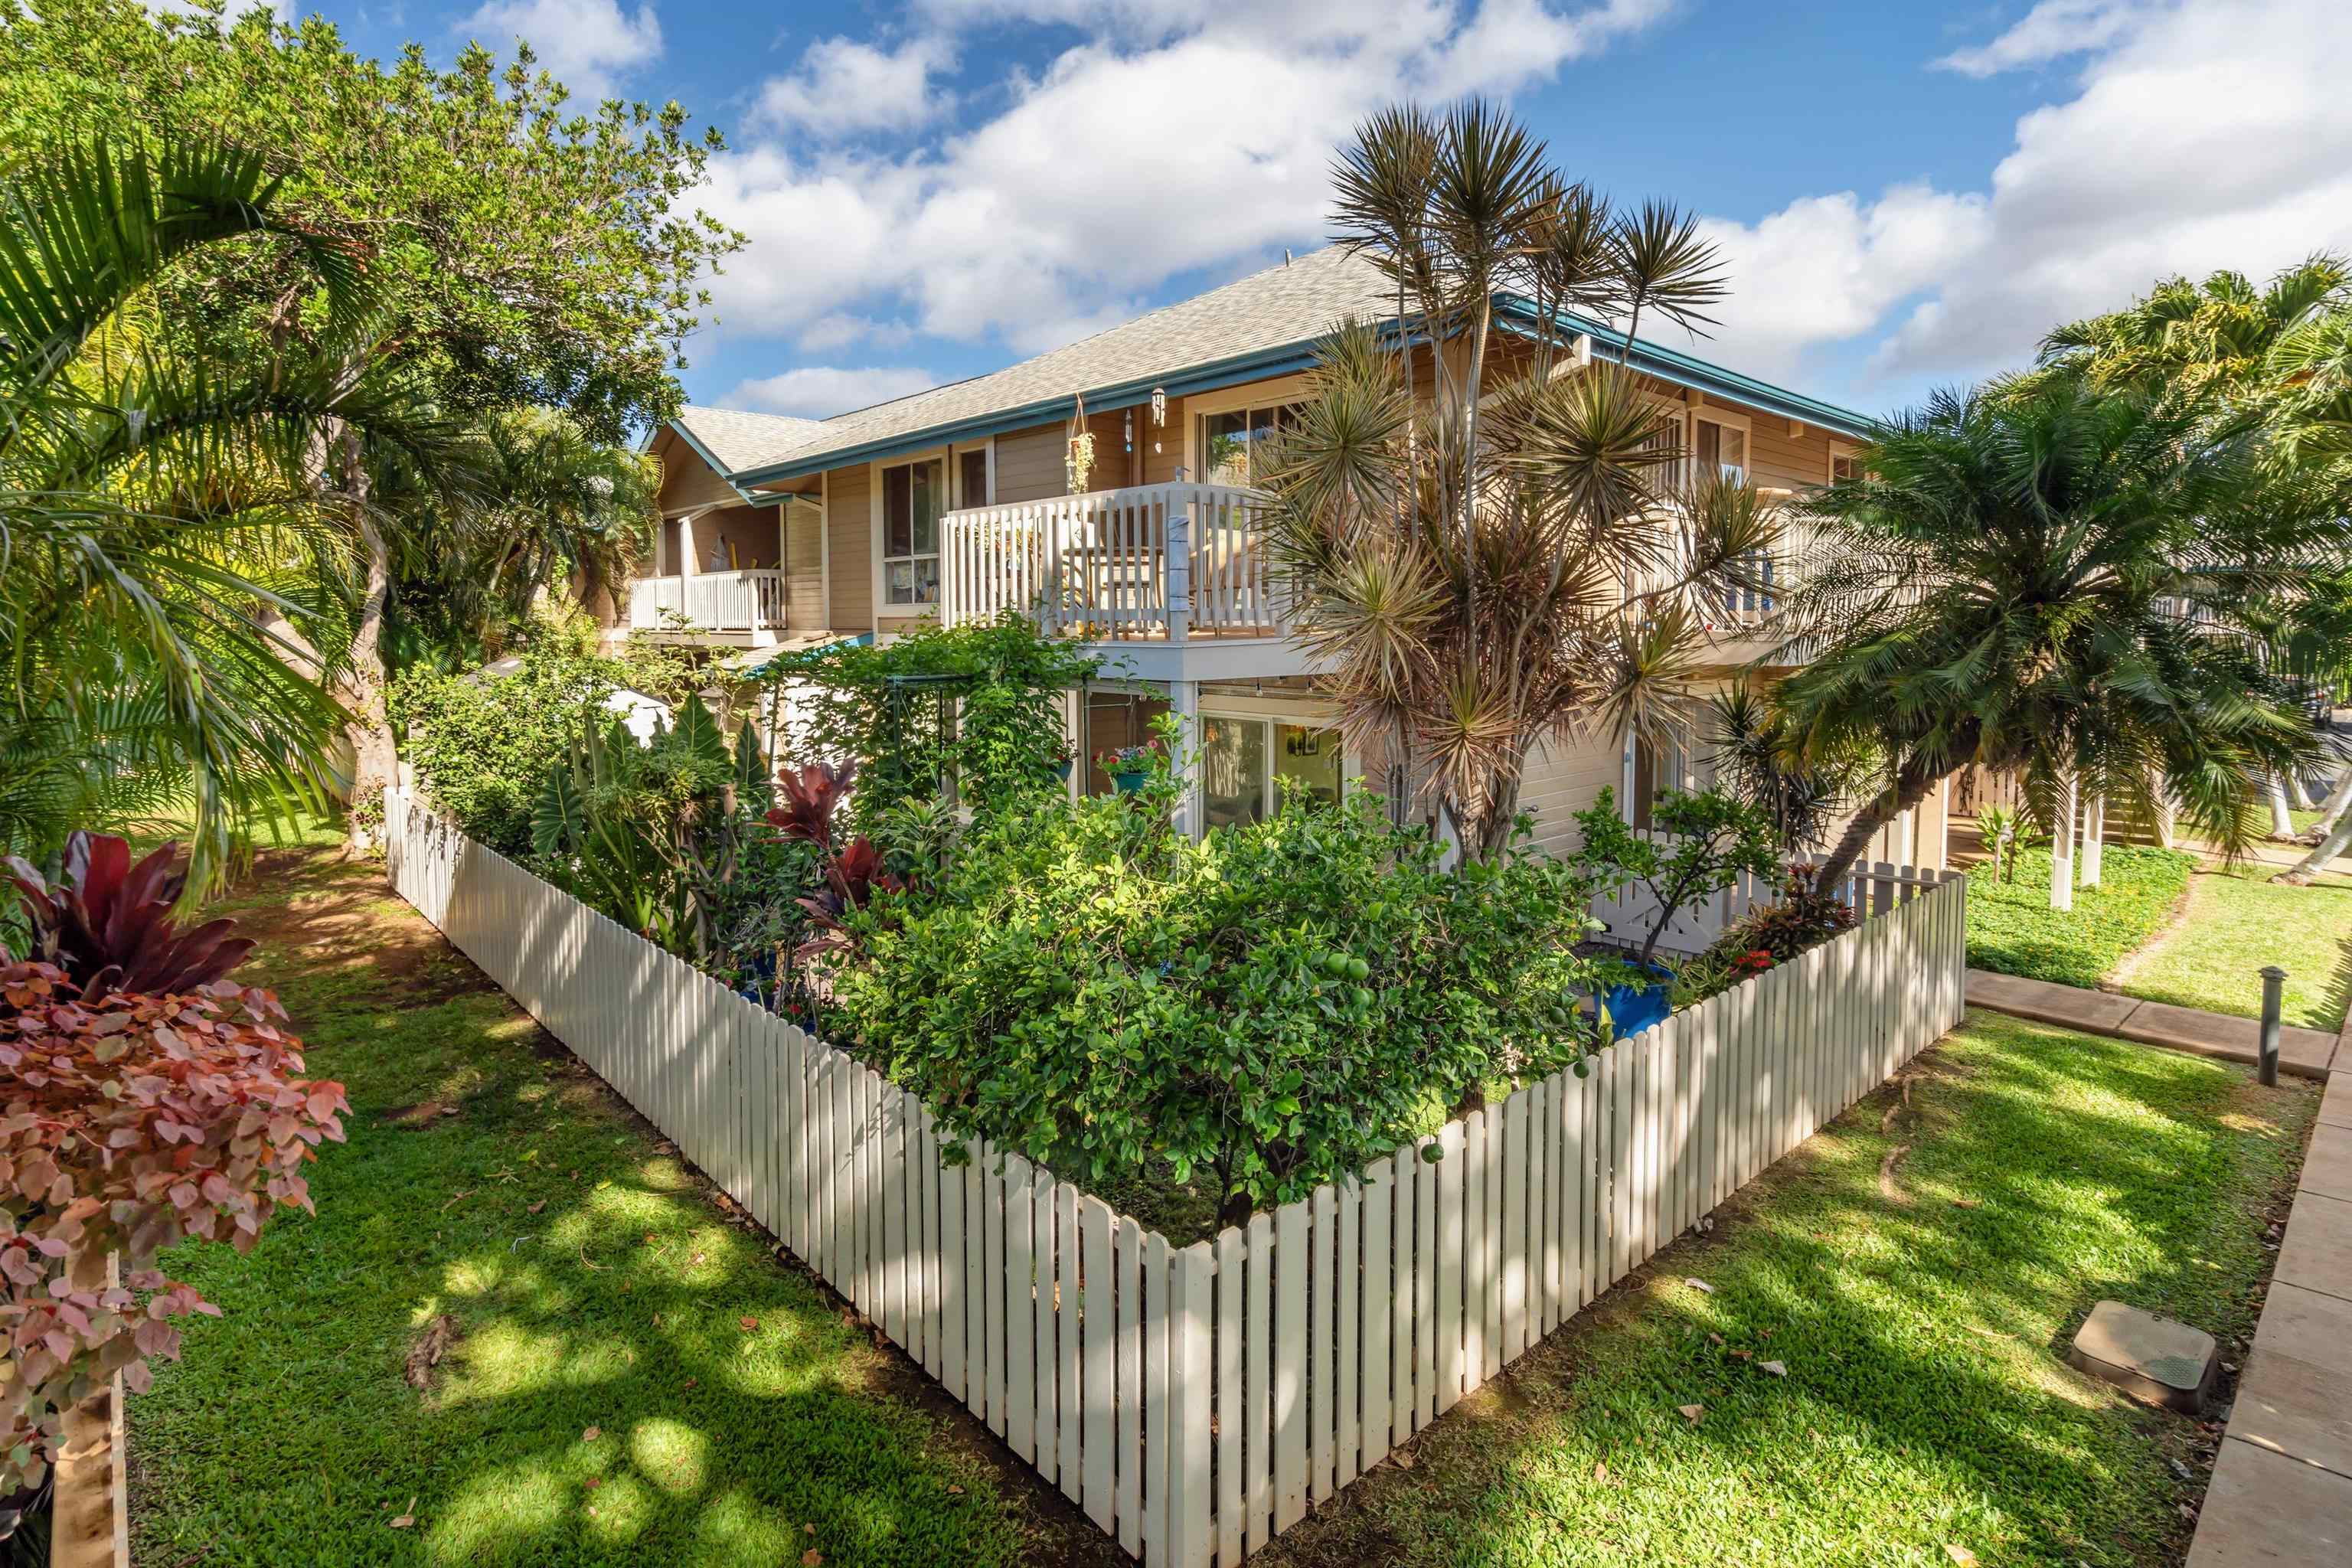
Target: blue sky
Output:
[(1909, 193)]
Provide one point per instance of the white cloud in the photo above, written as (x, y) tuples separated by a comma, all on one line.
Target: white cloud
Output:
[(2198, 136), (843, 88), (1172, 138), (2051, 30), (589, 44), (818, 392)]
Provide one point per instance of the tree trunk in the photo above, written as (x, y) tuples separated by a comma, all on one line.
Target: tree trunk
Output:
[(2062, 846), (375, 762), (2335, 842), (1912, 784), (2332, 809), (2095, 836), (2282, 823)]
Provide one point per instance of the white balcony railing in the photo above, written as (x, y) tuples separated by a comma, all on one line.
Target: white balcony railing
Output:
[(751, 601), (1154, 562)]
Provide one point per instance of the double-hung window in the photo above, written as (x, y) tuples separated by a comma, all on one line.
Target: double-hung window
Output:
[(913, 497), (1719, 445)]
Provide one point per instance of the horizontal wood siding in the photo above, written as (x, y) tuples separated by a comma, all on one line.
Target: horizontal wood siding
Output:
[(805, 607), (1562, 778), (751, 530), (1160, 468), (1029, 465), (1775, 457), (849, 527), (688, 480)]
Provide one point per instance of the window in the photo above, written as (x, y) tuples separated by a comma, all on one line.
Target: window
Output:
[(971, 478), (1233, 445), (1248, 767), (912, 494), (1720, 444), (1843, 464)]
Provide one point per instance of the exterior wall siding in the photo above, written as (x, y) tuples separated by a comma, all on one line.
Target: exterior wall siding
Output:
[(804, 607), (688, 481), (849, 528), (1029, 465)]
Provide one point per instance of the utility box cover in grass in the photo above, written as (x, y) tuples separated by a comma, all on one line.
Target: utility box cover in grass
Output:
[(2150, 1358)]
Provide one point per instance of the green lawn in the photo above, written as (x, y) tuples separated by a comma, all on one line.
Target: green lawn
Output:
[(1926, 1407), (2240, 920), (633, 1378), (2013, 930)]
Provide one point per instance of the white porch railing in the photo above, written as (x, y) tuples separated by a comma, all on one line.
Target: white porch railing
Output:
[(749, 601), (1156, 561)]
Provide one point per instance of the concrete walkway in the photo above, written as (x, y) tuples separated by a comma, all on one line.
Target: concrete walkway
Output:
[(2282, 1487), (2306, 1053)]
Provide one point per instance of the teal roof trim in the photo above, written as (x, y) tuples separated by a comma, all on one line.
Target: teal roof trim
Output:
[(1651, 359)]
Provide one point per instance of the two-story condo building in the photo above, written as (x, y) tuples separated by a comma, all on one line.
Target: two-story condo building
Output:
[(956, 503)]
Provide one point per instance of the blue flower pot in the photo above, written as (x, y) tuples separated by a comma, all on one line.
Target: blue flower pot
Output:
[(1127, 783), (1634, 1008), (1062, 770)]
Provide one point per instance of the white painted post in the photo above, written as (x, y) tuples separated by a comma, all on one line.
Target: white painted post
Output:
[(1176, 573), (2062, 845), (2094, 833), (1184, 701)]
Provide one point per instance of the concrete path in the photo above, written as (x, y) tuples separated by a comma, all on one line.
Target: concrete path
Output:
[(2282, 1488), (2306, 1053)]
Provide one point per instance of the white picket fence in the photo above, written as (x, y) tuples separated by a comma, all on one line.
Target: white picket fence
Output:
[(1872, 888), (1195, 1401)]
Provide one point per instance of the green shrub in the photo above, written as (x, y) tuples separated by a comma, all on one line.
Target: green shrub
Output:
[(482, 745), (2013, 928), (1715, 837), (980, 706), (1253, 1015)]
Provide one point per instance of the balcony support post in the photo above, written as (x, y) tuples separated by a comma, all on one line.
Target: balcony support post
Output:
[(1178, 571), (1184, 702)]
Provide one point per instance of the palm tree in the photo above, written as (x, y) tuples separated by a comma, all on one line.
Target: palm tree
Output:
[(162, 506), (2076, 582), (1510, 556)]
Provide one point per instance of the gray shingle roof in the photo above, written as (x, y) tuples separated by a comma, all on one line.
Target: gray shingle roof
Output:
[(738, 439), (1294, 302)]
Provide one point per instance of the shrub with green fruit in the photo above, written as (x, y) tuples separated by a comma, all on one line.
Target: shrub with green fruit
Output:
[(1251, 1015)]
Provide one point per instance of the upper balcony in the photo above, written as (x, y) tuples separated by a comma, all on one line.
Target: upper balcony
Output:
[(1154, 568), (746, 606)]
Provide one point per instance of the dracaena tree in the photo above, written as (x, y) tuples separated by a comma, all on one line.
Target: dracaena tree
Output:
[(145, 1098), (1492, 549), (2077, 582)]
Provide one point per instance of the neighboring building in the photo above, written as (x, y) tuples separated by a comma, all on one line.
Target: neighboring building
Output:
[(956, 503)]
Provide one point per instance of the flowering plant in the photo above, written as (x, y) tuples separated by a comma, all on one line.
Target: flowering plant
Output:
[(1137, 759), (1755, 961)]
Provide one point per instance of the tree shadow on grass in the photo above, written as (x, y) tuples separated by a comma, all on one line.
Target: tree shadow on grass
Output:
[(1926, 1403), (635, 1376)]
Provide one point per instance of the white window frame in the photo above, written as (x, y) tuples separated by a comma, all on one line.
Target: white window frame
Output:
[(1270, 723), (955, 455), (883, 603), (1729, 419), (1839, 449), (1198, 405)]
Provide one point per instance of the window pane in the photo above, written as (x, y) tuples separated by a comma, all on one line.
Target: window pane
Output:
[(1734, 448), (930, 483), (1233, 770), (1710, 442), (1307, 761), (915, 581), (897, 512), (974, 479), (1225, 450)]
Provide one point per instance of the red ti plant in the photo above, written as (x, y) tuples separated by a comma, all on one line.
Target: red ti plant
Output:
[(128, 1122), (853, 872), (107, 923)]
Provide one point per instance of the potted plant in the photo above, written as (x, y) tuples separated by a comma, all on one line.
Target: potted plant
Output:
[(1705, 840), (1064, 754), (1129, 768)]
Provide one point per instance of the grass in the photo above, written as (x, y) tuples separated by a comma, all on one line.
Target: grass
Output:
[(2013, 928), (633, 1377), (1925, 1405), (2240, 918)]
